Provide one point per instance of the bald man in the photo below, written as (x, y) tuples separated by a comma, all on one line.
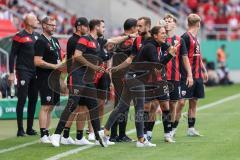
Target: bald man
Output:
[(23, 53)]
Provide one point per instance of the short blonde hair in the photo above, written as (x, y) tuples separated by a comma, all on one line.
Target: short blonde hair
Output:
[(193, 19), (170, 16)]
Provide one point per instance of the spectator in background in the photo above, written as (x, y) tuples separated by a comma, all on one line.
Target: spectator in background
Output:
[(4, 86), (209, 20), (221, 56), (213, 78), (223, 74), (193, 5)]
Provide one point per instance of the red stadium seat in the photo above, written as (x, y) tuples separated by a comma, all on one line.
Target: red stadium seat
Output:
[(6, 28)]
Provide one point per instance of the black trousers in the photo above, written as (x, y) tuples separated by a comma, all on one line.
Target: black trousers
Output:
[(26, 87), (121, 123), (133, 89)]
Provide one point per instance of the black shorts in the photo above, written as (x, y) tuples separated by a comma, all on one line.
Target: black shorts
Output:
[(104, 84), (49, 89), (164, 97), (87, 92), (196, 91), (26, 84), (175, 91)]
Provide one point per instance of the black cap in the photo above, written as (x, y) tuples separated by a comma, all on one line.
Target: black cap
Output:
[(81, 21)]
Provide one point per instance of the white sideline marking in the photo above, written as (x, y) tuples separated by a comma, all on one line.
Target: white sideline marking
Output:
[(74, 151), (18, 147), (22, 146)]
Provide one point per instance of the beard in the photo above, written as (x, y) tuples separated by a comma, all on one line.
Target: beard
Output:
[(99, 34), (50, 33), (142, 33)]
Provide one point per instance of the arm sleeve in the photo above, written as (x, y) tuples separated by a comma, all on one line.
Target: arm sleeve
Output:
[(186, 40), (104, 41), (183, 48), (104, 54), (39, 48), (82, 44), (134, 48), (165, 59), (151, 53), (13, 53)]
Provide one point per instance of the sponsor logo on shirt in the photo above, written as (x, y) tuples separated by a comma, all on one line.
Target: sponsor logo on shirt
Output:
[(22, 82), (48, 98), (184, 93)]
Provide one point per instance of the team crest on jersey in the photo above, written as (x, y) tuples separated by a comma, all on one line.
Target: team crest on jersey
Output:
[(48, 98), (165, 53), (184, 93), (76, 91), (176, 42), (22, 82), (36, 37)]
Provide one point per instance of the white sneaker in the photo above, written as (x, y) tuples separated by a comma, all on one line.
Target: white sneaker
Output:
[(55, 140), (49, 137), (83, 141), (91, 136), (146, 143), (149, 135), (97, 143), (45, 139), (193, 132), (103, 139), (67, 141), (168, 138), (173, 132), (109, 143)]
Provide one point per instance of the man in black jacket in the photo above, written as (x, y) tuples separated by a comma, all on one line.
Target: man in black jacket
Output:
[(23, 51)]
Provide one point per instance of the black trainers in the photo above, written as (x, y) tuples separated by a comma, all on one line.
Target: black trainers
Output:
[(21, 133), (114, 139), (125, 139), (31, 132)]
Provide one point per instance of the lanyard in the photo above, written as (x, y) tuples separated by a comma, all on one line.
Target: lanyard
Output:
[(55, 48)]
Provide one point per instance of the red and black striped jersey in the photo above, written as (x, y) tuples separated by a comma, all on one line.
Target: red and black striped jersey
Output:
[(173, 66), (194, 55)]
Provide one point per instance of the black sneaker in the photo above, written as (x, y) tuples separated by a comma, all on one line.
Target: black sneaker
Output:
[(31, 132), (21, 133), (114, 139), (125, 139)]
